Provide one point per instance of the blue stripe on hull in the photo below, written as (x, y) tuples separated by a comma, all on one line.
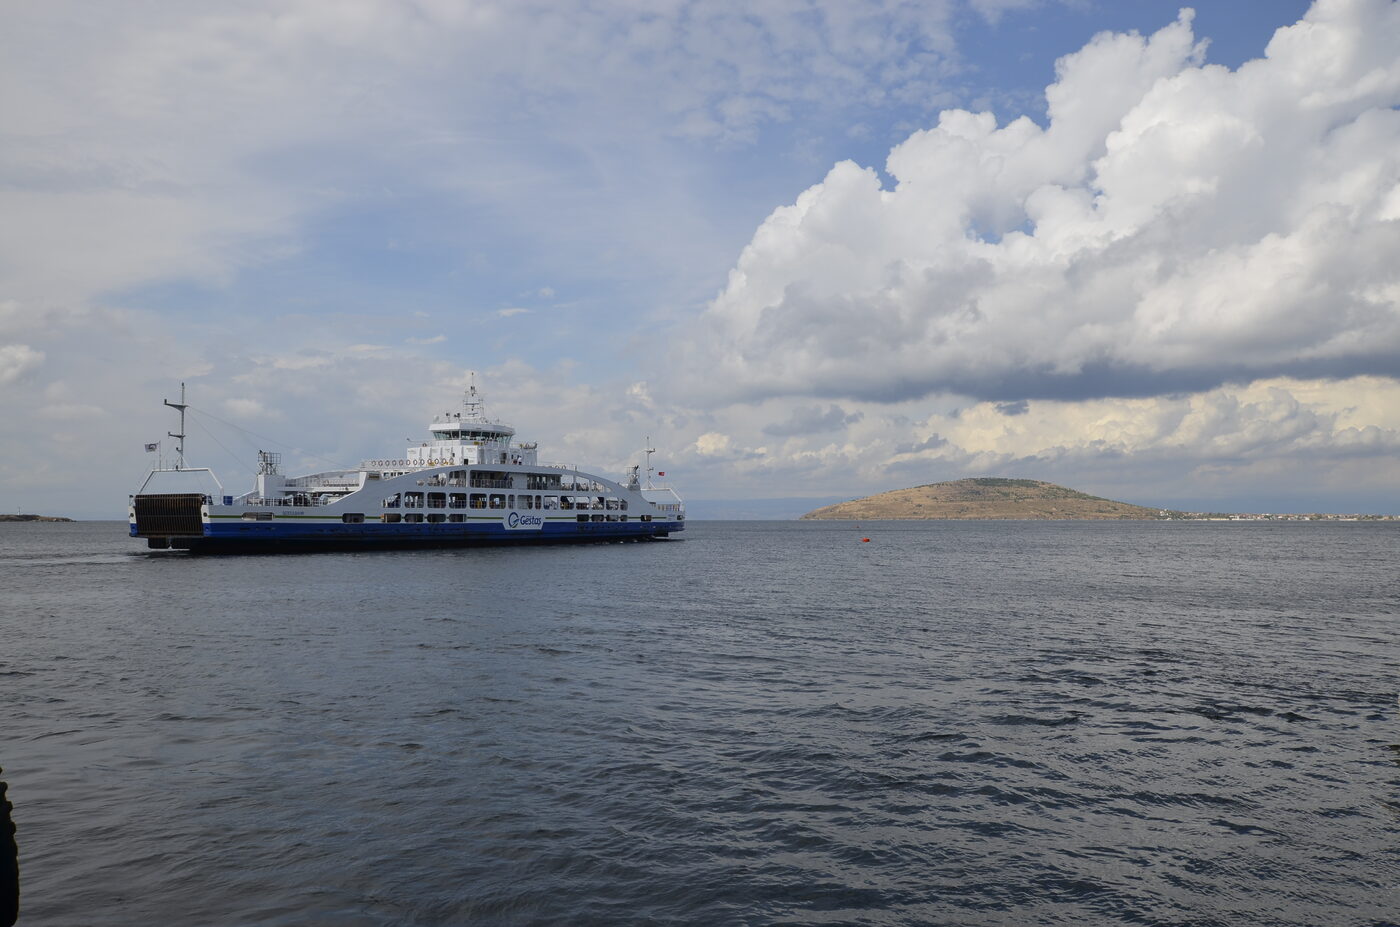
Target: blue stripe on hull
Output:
[(261, 536)]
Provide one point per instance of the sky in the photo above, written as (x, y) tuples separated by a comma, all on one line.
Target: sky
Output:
[(809, 249)]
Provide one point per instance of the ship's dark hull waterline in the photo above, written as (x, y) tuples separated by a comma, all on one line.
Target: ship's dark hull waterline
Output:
[(405, 537)]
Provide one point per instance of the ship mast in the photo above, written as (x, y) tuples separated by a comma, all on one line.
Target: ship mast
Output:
[(179, 448), (472, 404), (649, 451)]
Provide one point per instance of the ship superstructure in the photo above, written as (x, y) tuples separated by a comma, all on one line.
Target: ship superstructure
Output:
[(469, 483)]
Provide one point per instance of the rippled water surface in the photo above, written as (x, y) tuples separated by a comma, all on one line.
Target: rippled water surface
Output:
[(765, 723)]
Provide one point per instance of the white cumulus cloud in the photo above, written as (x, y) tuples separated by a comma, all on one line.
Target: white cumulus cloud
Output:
[(16, 360), (712, 444), (1175, 225)]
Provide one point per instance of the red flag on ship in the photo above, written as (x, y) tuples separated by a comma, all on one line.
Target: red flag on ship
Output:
[(660, 472)]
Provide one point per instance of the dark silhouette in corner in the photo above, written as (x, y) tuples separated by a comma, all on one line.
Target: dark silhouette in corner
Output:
[(9, 863)]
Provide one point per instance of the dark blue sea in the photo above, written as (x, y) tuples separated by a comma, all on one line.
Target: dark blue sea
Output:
[(766, 723)]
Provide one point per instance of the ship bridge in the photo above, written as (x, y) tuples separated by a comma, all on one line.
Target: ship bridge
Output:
[(470, 432), (468, 437)]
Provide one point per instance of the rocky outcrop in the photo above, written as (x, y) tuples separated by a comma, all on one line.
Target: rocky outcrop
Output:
[(984, 497)]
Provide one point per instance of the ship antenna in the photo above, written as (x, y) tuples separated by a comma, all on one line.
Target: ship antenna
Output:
[(472, 402), (649, 450), (180, 447)]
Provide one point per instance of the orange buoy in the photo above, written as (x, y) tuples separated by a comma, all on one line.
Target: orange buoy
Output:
[(865, 540)]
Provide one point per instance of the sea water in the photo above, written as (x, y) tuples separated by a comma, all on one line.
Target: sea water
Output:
[(764, 723)]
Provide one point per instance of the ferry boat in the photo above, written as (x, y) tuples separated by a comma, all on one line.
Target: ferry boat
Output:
[(469, 483)]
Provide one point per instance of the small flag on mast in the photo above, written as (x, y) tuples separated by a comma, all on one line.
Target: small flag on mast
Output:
[(152, 448), (660, 472)]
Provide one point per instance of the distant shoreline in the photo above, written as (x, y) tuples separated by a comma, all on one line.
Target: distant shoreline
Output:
[(1173, 516), (33, 518)]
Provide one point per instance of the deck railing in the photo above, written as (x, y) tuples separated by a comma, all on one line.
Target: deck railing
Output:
[(300, 502), (307, 482)]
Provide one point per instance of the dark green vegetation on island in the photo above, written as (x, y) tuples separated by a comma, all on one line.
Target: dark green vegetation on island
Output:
[(33, 518), (985, 497)]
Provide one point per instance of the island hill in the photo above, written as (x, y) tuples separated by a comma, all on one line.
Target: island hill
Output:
[(984, 497), (33, 518)]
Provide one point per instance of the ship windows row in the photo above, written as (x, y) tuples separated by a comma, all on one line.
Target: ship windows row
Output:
[(393, 518), (437, 518), (504, 479), (500, 500)]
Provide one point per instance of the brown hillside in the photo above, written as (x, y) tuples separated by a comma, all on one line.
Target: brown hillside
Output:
[(984, 497)]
